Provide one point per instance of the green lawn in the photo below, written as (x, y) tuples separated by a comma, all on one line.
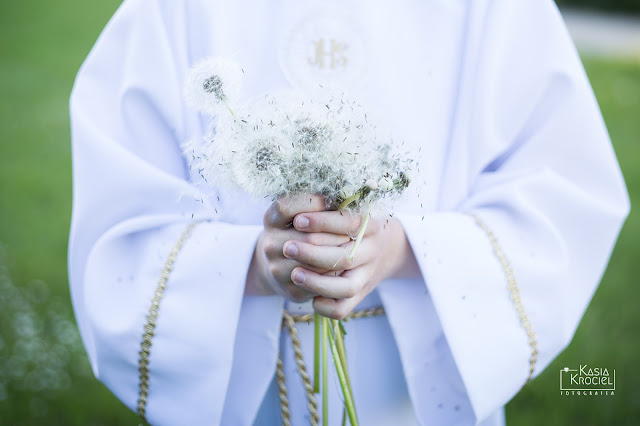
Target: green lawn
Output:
[(44, 375)]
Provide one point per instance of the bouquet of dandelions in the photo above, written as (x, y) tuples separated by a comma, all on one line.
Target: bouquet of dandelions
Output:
[(288, 144)]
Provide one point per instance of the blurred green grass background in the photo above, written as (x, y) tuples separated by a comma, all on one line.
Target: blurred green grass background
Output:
[(45, 377)]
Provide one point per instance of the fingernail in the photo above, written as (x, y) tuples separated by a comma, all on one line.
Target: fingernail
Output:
[(298, 277), (291, 250), (302, 222)]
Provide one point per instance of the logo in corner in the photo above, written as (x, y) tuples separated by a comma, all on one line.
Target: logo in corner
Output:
[(587, 380)]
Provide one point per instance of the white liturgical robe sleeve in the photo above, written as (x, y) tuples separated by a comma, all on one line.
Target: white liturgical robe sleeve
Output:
[(531, 158), (132, 201)]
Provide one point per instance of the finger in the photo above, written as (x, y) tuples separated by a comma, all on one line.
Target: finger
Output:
[(329, 285), (281, 269), (321, 238), (296, 294), (281, 283), (273, 243), (333, 222), (326, 257), (283, 210), (336, 309)]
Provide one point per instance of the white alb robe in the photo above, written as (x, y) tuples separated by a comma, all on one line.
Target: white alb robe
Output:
[(492, 92)]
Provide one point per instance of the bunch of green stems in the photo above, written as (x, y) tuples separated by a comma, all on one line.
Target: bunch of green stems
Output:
[(329, 333)]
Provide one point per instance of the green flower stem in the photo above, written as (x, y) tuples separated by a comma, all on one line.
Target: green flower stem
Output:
[(348, 398), (316, 359), (325, 381), (341, 350), (233, 114), (363, 228), (343, 359), (343, 205)]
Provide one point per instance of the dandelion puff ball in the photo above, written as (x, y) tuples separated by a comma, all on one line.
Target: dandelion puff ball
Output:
[(213, 85)]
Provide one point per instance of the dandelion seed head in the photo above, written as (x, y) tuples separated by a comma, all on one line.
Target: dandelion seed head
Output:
[(212, 85), (371, 184), (385, 183), (347, 191), (264, 157), (288, 143)]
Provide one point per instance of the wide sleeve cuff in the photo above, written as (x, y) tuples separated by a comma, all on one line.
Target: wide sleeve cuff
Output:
[(469, 289), (192, 350)]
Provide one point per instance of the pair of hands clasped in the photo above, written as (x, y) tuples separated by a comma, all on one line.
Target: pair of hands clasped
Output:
[(309, 259)]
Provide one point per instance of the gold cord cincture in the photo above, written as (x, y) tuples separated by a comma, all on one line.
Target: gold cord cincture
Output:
[(288, 322)]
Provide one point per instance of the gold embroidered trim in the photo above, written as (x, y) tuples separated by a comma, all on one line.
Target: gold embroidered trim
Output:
[(152, 316), (514, 291)]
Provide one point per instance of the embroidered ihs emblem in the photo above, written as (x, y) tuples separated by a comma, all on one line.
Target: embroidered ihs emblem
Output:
[(332, 56), (324, 48)]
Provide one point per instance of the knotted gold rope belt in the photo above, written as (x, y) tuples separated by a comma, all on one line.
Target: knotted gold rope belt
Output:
[(288, 322)]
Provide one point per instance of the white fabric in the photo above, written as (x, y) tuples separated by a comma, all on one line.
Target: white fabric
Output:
[(493, 94)]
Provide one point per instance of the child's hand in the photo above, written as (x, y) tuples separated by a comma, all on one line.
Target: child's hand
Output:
[(270, 272), (383, 253)]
